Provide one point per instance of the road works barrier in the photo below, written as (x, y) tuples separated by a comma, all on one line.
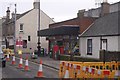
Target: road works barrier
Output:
[(89, 69)]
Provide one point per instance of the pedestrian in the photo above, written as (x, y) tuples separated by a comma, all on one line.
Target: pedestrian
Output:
[(3, 62)]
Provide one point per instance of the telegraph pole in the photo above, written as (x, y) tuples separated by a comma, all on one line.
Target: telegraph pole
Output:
[(39, 47), (15, 30)]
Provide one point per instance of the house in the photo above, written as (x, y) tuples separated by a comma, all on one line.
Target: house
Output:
[(0, 31), (26, 28), (104, 33), (96, 12)]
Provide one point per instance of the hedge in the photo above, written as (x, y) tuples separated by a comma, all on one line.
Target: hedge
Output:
[(77, 58)]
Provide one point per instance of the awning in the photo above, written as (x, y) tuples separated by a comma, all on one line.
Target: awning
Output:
[(63, 30)]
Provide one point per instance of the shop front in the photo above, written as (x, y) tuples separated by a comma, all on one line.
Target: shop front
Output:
[(65, 37)]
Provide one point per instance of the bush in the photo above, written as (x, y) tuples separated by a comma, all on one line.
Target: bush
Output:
[(77, 58), (65, 57)]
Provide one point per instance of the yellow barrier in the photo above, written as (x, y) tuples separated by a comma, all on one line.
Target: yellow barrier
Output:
[(90, 69)]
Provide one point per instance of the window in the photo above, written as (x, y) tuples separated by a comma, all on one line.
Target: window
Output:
[(24, 43), (28, 38), (21, 27), (89, 47)]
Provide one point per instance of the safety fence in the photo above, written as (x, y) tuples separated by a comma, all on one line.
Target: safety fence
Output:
[(69, 69)]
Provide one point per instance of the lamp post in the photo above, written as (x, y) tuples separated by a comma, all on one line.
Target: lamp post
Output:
[(15, 30), (39, 47)]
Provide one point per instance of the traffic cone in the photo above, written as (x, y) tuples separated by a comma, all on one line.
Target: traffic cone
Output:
[(33, 54), (20, 63), (8, 58), (67, 72), (40, 73), (13, 60), (26, 68)]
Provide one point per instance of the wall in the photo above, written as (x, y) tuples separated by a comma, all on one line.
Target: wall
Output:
[(118, 43), (83, 22), (73, 21), (96, 12), (0, 31), (93, 12), (95, 47), (112, 45), (30, 21), (109, 55)]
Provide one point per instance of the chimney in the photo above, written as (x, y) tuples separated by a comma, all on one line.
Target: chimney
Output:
[(81, 13), (105, 6), (36, 4), (7, 14)]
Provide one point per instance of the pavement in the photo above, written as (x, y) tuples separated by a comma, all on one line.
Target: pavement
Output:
[(46, 60)]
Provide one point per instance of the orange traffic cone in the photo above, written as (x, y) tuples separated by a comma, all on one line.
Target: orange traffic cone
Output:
[(40, 73), (20, 63), (67, 72), (8, 58), (26, 68), (33, 54), (13, 60)]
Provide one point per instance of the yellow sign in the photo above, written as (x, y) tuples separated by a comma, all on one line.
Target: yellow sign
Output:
[(19, 51)]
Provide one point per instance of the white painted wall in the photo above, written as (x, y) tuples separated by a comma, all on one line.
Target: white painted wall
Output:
[(95, 48), (112, 43), (30, 21), (118, 43), (0, 32), (83, 47)]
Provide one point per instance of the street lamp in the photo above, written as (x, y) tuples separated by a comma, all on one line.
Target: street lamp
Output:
[(15, 30), (39, 47)]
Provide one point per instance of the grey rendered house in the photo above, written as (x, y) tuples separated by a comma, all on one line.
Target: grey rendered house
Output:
[(104, 33)]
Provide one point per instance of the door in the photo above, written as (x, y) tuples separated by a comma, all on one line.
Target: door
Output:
[(104, 44)]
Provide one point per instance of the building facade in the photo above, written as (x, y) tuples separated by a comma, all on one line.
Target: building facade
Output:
[(26, 29), (0, 31), (103, 34)]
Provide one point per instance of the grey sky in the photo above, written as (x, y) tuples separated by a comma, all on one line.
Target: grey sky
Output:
[(60, 10)]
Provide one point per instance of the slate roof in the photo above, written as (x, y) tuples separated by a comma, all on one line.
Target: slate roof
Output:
[(108, 25), (62, 30)]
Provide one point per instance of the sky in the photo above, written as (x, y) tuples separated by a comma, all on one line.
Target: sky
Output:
[(59, 10)]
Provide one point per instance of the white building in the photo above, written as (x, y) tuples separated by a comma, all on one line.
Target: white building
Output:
[(0, 31), (104, 33), (27, 27)]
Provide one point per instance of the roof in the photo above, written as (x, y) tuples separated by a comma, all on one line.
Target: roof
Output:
[(105, 26), (62, 30), (18, 16), (21, 15)]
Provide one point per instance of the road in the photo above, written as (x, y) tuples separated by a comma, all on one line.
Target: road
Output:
[(11, 71)]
